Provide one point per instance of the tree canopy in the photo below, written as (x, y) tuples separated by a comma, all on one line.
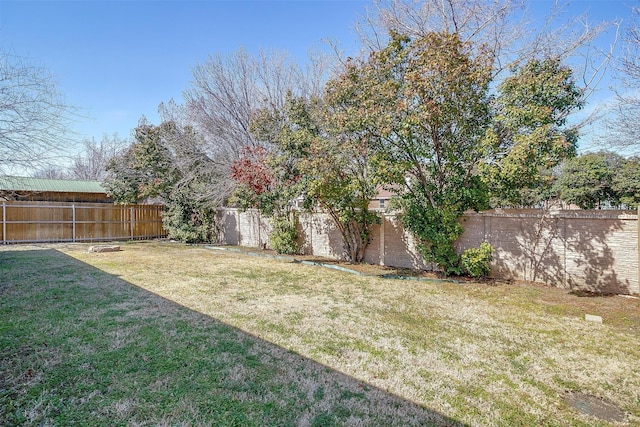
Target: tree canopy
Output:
[(165, 163), (600, 179), (424, 108), (529, 134), (314, 159), (586, 180)]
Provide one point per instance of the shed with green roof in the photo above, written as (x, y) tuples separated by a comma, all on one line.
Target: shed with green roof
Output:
[(52, 190)]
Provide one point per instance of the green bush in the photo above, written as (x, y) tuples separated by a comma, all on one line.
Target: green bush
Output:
[(284, 236), (437, 229), (191, 224), (476, 260)]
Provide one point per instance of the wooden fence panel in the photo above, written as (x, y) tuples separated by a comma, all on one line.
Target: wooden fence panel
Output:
[(31, 222), (145, 220)]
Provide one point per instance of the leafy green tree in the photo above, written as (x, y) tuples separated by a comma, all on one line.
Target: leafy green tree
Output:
[(626, 182), (342, 183), (166, 163), (587, 180), (270, 176), (324, 164), (143, 171), (122, 180), (270, 179), (189, 219), (264, 182), (423, 107), (529, 133)]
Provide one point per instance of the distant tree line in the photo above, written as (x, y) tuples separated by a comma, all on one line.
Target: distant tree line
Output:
[(90, 164), (599, 180)]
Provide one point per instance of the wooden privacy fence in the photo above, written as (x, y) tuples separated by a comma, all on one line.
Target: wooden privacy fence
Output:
[(32, 222)]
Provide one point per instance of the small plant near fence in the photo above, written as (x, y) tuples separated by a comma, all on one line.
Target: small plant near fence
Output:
[(475, 261), (284, 236)]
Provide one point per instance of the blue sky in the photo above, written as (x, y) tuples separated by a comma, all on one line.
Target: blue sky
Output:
[(117, 60)]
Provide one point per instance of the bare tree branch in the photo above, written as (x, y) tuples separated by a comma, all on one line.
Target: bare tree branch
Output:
[(623, 129), (504, 27), (226, 92), (34, 118), (92, 162)]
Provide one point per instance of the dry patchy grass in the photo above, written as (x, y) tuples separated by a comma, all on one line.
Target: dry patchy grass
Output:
[(468, 353)]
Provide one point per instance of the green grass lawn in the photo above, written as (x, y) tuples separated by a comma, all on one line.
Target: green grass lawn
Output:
[(168, 334)]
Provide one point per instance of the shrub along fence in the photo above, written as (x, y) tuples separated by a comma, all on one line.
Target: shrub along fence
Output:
[(593, 250), (32, 222)]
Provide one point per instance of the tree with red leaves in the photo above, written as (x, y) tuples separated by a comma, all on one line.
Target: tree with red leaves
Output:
[(267, 181), (252, 171)]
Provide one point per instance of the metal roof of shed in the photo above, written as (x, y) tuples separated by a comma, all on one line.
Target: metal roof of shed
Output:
[(19, 183)]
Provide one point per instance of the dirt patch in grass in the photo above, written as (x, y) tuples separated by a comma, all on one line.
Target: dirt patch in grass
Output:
[(595, 407)]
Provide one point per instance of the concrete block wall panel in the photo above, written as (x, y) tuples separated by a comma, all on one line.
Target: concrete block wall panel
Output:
[(400, 246), (249, 229), (372, 254), (228, 220), (601, 254), (589, 250), (305, 233), (320, 236), (265, 229)]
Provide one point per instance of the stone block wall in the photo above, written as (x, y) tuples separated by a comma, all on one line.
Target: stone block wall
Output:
[(586, 250), (574, 249)]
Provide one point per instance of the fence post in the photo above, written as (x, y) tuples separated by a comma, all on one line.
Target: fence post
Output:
[(381, 249), (239, 234), (4, 223), (310, 225), (259, 229), (131, 221), (73, 223)]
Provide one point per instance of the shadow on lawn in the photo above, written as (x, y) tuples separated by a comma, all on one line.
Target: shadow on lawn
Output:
[(80, 345)]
